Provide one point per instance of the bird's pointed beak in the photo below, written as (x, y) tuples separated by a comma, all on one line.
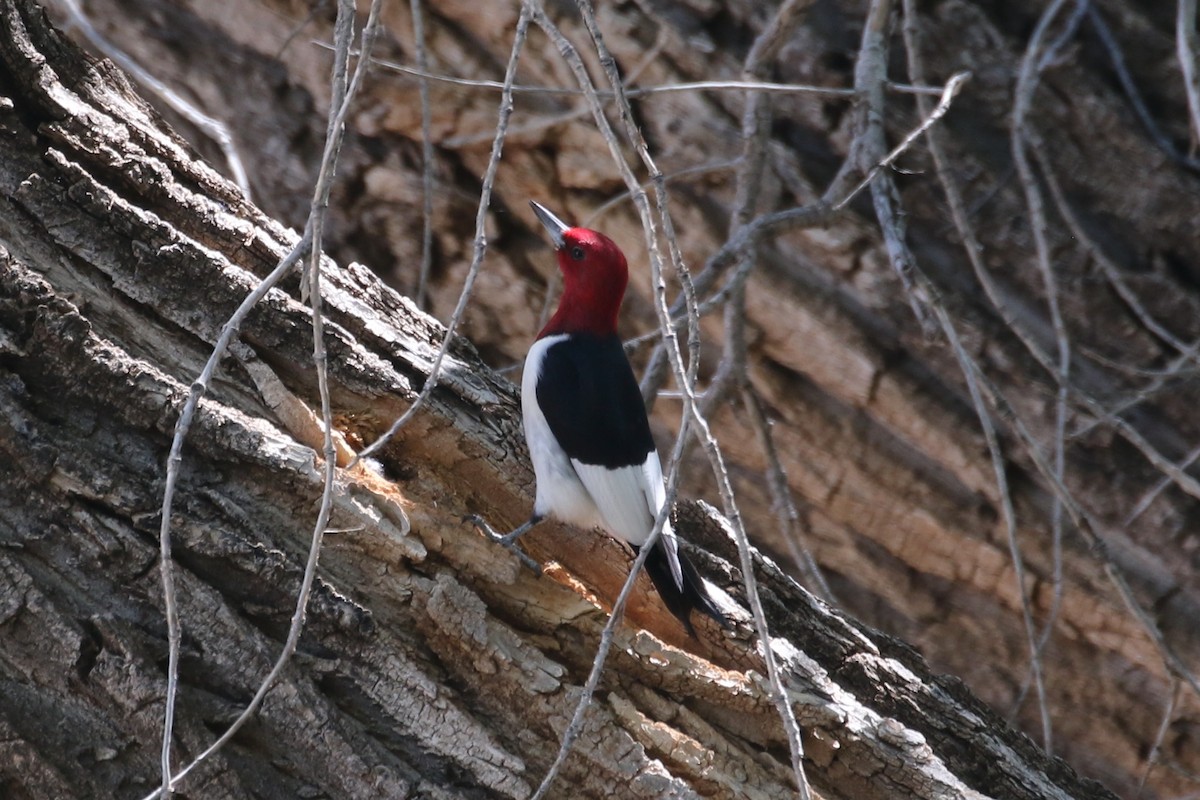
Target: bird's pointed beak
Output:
[(554, 226)]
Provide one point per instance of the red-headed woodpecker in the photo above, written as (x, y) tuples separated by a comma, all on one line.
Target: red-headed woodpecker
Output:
[(586, 425)]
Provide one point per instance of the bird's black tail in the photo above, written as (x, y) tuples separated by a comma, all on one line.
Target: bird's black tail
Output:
[(681, 601)]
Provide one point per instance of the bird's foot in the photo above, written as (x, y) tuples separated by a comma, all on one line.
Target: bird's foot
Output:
[(507, 540)]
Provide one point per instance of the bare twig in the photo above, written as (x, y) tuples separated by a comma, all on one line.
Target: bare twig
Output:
[(1149, 497), (426, 155), (781, 499), (1090, 530), (719, 262), (342, 95), (763, 227), (691, 86), (868, 147), (972, 373), (687, 172), (1188, 352), (951, 89), (1185, 48), (779, 695), (1027, 80), (1159, 737), (1113, 48), (480, 248), (731, 374), (211, 127), (756, 113)]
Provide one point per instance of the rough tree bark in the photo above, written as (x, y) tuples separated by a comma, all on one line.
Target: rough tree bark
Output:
[(433, 665)]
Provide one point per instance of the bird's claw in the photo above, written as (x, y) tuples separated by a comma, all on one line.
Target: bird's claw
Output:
[(506, 540)]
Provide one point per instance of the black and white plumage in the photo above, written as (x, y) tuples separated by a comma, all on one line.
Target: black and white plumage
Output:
[(586, 425)]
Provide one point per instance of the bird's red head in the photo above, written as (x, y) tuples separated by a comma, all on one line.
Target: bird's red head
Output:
[(594, 278)]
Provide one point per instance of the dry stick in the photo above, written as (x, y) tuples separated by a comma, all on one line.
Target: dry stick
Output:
[(968, 367), (731, 372), (826, 209), (485, 195), (686, 284), (1080, 519), (693, 86), (1060, 420), (316, 9), (1027, 82), (1159, 378), (870, 142), (686, 172), (339, 107), (174, 458), (426, 156), (819, 213), (781, 498), (974, 252), (1089, 530), (1149, 497), (552, 120), (1185, 48), (948, 92), (974, 256), (756, 113), (731, 375), (575, 727), (1174, 471), (1113, 49), (787, 716), (1174, 369), (211, 127), (1156, 748), (1187, 352)]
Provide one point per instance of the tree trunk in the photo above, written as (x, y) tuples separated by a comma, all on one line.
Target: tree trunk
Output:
[(433, 664)]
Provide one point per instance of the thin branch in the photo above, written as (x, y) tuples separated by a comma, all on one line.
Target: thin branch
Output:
[(342, 95), (691, 86), (1159, 737), (687, 172), (760, 228), (868, 147), (756, 114), (747, 237), (1027, 81), (1185, 48), (1117, 58), (426, 156), (211, 127), (480, 248), (972, 372), (1090, 530), (779, 695), (1187, 351), (781, 499), (951, 89), (1149, 497)]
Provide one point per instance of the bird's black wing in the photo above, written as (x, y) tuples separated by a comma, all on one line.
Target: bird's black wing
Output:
[(592, 403)]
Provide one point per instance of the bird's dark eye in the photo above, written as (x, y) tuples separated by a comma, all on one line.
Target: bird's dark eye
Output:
[(577, 253)]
